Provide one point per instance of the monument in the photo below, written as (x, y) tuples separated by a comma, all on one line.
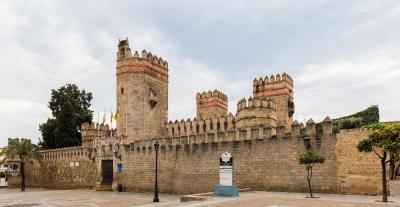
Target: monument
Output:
[(225, 187)]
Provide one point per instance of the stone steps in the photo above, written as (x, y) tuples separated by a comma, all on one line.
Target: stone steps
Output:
[(104, 188)]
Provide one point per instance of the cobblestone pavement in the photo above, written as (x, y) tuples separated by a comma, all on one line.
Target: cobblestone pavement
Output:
[(72, 198), (43, 197)]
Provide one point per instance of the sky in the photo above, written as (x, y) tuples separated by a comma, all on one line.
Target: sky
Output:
[(343, 55)]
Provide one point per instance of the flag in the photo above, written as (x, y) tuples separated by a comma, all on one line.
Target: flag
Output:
[(116, 116), (111, 117), (104, 117)]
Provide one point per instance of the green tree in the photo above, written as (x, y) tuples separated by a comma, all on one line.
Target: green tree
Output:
[(384, 141), (23, 150), (70, 109), (48, 133), (309, 158)]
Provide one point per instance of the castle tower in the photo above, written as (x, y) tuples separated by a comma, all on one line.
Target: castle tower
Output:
[(90, 132), (256, 112), (142, 94), (280, 89), (211, 104)]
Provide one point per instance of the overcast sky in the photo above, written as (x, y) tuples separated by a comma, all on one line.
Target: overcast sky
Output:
[(343, 55)]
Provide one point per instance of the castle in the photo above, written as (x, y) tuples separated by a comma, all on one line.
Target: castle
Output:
[(262, 137)]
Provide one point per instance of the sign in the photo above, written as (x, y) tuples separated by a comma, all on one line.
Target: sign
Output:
[(14, 168), (119, 167), (225, 169)]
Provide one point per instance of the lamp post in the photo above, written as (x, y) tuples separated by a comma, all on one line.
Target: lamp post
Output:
[(307, 142), (156, 199)]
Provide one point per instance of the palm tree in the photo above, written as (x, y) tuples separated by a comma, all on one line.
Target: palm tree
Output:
[(24, 150)]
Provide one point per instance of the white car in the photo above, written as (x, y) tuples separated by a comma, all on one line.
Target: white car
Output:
[(3, 168)]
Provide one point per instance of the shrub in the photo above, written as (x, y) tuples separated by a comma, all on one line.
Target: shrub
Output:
[(350, 123)]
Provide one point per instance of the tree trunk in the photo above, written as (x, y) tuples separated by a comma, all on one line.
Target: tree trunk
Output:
[(384, 188), (309, 175), (22, 176)]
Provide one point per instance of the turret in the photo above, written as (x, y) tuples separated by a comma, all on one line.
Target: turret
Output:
[(92, 131), (211, 104), (280, 89), (256, 112), (142, 94)]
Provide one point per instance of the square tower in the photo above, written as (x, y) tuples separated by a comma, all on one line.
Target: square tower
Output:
[(142, 94), (211, 104), (280, 89)]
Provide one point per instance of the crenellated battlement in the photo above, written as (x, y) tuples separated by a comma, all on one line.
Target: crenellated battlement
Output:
[(93, 126), (211, 104), (256, 112), (214, 94), (147, 62), (251, 103), (225, 129), (273, 79), (124, 53), (273, 86), (280, 89), (91, 131), (151, 58), (66, 153), (200, 126)]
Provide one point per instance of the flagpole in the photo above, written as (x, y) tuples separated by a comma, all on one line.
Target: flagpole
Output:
[(98, 124), (126, 116), (111, 122), (117, 122)]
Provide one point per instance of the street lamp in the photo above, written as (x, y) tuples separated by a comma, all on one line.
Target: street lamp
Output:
[(307, 142), (156, 199)]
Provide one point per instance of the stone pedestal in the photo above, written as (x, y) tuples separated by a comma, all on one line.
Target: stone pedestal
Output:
[(226, 191)]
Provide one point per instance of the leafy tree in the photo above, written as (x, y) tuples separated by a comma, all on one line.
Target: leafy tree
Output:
[(70, 109), (24, 150), (309, 158), (384, 141), (362, 118), (48, 134)]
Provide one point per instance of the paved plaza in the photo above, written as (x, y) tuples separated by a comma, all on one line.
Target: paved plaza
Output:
[(43, 197)]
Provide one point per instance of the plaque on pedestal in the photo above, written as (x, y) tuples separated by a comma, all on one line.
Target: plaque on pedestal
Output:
[(226, 187)]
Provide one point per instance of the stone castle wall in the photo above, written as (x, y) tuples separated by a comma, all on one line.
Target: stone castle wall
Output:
[(357, 172), (264, 163), (262, 137), (66, 168), (189, 164)]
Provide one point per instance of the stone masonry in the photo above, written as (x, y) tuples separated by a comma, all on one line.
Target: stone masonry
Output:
[(262, 137), (211, 104)]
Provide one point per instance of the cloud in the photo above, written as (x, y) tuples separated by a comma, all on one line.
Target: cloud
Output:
[(342, 55), (345, 86), (19, 117)]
